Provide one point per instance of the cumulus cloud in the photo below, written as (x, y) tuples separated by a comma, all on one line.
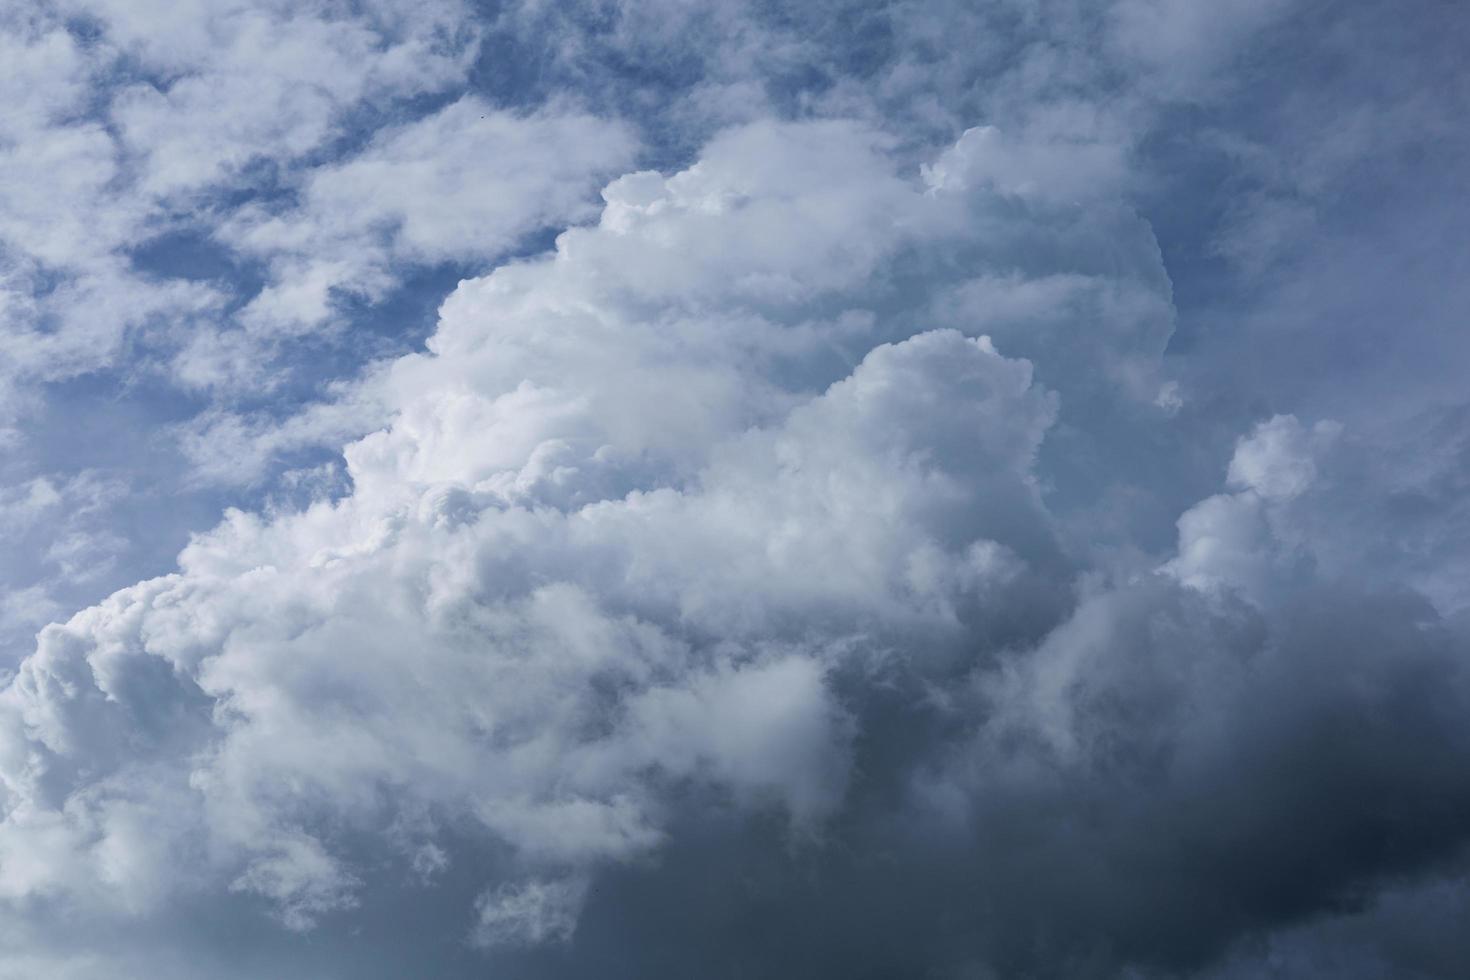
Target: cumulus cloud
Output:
[(464, 184), (159, 109), (585, 605), (830, 553)]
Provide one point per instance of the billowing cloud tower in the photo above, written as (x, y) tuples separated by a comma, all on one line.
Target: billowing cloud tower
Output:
[(859, 543)]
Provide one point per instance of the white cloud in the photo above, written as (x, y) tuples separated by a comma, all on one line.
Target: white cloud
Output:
[(590, 486), (98, 163), (1246, 540), (1277, 459), (807, 495), (1072, 164), (1183, 42), (538, 911), (300, 877), (26, 609), (463, 184), (21, 505)]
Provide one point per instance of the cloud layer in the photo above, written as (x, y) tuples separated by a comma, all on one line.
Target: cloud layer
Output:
[(828, 530)]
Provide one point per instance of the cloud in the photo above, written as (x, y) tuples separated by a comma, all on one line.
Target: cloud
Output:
[(536, 912), (163, 104), (581, 601), (63, 520), (464, 184), (852, 547), (1182, 42)]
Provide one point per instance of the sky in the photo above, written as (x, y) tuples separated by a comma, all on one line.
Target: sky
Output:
[(944, 489)]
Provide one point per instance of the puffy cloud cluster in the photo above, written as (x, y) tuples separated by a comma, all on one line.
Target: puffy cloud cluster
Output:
[(194, 197), (816, 562), (125, 116), (598, 550), (728, 510), (464, 184)]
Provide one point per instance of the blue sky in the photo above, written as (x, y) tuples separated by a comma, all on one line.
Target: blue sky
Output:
[(661, 488)]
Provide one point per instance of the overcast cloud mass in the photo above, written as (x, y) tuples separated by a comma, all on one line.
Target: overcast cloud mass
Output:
[(948, 489)]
